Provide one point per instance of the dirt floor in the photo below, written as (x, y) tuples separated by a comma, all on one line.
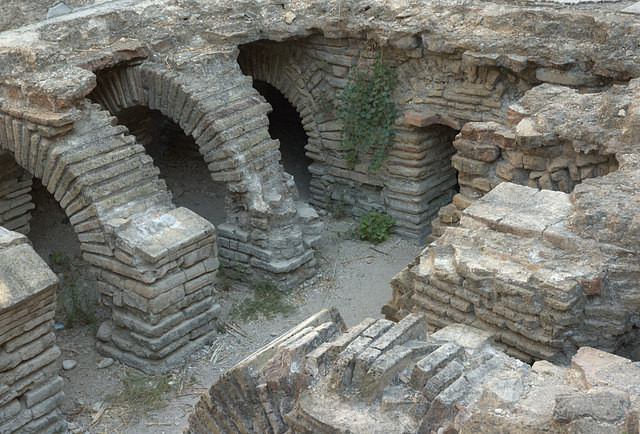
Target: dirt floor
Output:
[(354, 276)]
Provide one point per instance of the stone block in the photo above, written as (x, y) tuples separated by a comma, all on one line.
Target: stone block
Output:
[(428, 367), (481, 151), (509, 173), (470, 166), (417, 119), (22, 275), (601, 404), (382, 370), (443, 379), (410, 328)]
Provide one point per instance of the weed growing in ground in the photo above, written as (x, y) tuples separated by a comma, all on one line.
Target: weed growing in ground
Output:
[(74, 300), (375, 227), (226, 278), (267, 300), (142, 393)]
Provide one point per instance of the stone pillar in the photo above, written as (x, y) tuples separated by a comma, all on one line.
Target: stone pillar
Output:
[(159, 286), (30, 388)]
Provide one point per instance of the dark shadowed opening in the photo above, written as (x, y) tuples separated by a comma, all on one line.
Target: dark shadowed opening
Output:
[(285, 125), (178, 158)]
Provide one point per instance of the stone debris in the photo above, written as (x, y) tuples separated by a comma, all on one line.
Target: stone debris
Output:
[(105, 363), (30, 388), (517, 150), (459, 382), (68, 365), (57, 10)]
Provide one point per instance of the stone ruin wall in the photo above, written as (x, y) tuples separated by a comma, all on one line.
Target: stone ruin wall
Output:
[(382, 377), (156, 263), (30, 388), (438, 93), (545, 270)]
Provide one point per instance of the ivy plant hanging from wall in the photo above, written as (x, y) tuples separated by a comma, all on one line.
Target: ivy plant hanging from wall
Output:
[(368, 113)]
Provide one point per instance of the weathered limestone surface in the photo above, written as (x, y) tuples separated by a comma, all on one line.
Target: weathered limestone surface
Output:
[(266, 234), (30, 388), (532, 109), (381, 377), (513, 267)]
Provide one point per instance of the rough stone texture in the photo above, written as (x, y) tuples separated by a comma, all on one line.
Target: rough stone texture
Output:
[(15, 200), (472, 387), (531, 109), (30, 388), (513, 267)]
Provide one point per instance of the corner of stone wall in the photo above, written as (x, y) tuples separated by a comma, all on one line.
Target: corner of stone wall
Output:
[(159, 284), (30, 388)]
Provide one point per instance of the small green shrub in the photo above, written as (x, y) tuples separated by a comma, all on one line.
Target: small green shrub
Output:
[(60, 261), (338, 208), (375, 227), (368, 113), (267, 300), (226, 278)]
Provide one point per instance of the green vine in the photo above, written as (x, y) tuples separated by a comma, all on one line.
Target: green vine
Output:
[(368, 114)]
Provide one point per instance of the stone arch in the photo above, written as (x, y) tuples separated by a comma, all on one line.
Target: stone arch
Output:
[(281, 72), (411, 186), (276, 65), (154, 262), (219, 108)]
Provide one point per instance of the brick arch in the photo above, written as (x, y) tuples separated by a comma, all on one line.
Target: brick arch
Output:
[(154, 262), (227, 118), (281, 72)]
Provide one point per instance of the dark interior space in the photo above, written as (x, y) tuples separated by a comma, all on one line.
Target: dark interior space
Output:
[(285, 125), (179, 160)]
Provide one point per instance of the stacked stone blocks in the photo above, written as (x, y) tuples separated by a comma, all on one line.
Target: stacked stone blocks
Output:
[(227, 118), (489, 153), (159, 285), (15, 200), (485, 273), (417, 179), (161, 295), (30, 388), (380, 376)]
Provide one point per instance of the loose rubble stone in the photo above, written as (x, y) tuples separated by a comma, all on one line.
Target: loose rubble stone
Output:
[(105, 363), (68, 365), (473, 389)]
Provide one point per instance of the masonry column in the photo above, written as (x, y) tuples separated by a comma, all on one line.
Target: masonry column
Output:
[(30, 388)]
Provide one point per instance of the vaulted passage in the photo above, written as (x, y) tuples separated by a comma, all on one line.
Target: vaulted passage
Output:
[(179, 160), (285, 125)]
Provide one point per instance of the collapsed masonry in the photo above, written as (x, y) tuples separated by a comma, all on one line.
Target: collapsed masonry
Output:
[(461, 67), (546, 271), (383, 377)]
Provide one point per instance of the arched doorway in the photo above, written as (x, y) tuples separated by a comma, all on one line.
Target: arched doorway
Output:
[(285, 125)]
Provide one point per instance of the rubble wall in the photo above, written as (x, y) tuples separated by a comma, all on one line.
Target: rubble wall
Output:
[(267, 234), (30, 388), (155, 264), (547, 271), (381, 376)]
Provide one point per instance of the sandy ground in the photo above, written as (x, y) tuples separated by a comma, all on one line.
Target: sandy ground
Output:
[(353, 275)]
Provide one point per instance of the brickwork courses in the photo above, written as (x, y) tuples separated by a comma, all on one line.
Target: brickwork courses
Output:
[(30, 388), (380, 376), (531, 137)]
